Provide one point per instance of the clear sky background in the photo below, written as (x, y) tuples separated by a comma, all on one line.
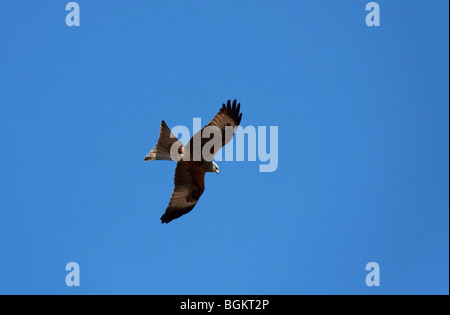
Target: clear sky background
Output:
[(363, 120)]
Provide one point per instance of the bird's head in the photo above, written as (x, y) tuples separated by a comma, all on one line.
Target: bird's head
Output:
[(215, 167)]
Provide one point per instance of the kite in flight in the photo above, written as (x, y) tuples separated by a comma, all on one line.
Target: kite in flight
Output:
[(191, 166)]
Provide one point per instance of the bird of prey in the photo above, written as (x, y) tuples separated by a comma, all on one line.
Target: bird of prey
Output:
[(194, 159)]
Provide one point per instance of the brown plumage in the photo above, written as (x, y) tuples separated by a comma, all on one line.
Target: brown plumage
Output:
[(190, 171)]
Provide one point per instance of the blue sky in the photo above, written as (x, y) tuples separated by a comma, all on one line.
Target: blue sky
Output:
[(363, 124)]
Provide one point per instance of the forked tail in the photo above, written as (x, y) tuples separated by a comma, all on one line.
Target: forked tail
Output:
[(166, 142)]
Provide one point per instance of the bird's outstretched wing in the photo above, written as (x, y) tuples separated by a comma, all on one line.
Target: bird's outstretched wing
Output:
[(189, 186), (217, 133), (228, 116)]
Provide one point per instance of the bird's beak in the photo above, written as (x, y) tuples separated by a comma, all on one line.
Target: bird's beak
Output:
[(217, 171)]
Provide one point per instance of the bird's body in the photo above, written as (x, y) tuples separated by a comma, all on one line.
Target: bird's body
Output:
[(195, 159)]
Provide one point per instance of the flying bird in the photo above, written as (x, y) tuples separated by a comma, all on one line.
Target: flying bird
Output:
[(191, 164)]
